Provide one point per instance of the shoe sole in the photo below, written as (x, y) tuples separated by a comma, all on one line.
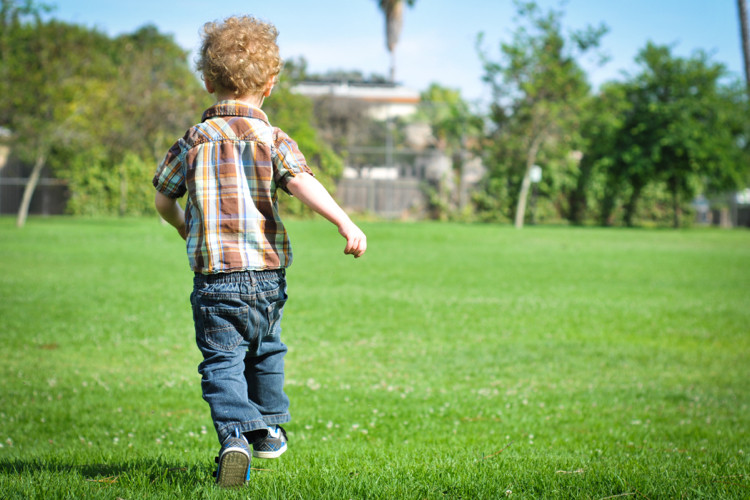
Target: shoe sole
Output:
[(233, 468), (269, 454)]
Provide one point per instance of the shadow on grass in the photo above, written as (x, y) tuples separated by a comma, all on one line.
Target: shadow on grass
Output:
[(141, 471)]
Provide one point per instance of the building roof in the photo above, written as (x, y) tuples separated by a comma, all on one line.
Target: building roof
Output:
[(377, 93)]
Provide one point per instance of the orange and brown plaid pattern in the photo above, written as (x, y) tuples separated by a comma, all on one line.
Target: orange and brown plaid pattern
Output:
[(231, 165)]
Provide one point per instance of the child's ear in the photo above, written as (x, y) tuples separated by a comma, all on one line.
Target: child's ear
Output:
[(269, 87), (209, 86)]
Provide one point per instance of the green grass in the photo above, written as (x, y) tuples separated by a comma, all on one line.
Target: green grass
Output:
[(453, 361)]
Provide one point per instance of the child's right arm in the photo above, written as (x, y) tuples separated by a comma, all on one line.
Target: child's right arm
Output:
[(314, 195), (171, 212)]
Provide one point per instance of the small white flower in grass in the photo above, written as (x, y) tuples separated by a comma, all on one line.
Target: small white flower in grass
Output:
[(508, 493)]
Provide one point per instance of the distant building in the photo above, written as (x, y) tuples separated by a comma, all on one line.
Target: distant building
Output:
[(391, 180), (387, 100)]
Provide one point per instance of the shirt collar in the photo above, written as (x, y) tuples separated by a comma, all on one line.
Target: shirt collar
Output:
[(234, 108)]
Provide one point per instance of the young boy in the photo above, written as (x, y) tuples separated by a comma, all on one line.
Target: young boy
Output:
[(230, 166)]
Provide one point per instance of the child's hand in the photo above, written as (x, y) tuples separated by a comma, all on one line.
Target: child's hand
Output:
[(356, 241)]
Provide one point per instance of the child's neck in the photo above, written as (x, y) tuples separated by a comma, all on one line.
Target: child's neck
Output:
[(252, 100)]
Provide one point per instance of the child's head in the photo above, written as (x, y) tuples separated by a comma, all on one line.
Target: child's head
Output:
[(239, 56)]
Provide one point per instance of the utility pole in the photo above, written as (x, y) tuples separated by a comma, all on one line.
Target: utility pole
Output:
[(742, 8)]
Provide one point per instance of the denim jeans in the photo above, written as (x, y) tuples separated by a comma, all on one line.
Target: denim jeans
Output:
[(237, 328)]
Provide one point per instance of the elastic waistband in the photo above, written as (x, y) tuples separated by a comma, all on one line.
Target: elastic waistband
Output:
[(239, 276)]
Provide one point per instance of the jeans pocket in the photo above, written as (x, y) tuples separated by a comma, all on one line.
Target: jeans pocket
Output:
[(274, 311), (224, 327)]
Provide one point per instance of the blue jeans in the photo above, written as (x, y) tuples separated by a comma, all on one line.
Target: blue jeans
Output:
[(238, 330)]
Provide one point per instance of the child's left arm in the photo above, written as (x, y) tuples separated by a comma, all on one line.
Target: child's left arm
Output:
[(312, 193)]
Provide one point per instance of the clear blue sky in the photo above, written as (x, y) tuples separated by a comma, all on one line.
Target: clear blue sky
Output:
[(438, 38)]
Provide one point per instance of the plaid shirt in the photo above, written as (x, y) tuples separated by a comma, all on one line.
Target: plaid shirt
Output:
[(230, 165)]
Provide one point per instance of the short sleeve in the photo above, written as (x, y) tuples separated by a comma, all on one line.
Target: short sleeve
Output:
[(169, 179), (288, 160)]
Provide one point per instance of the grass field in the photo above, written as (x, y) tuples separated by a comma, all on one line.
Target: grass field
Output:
[(453, 361)]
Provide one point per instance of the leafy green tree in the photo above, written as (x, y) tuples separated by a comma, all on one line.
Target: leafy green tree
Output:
[(98, 111), (680, 127), (539, 94), (45, 66), (601, 122)]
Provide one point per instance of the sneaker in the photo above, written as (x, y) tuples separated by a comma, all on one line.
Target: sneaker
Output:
[(234, 461), (271, 446)]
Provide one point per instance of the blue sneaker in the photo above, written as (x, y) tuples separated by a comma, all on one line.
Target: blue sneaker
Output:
[(234, 461), (271, 446)]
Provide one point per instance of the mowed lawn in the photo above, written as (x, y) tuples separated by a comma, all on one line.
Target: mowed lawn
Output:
[(452, 361)]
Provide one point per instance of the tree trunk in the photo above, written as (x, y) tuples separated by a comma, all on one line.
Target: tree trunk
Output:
[(524, 194), (394, 19), (28, 192), (676, 210), (631, 205), (392, 70), (123, 190), (578, 201), (522, 197), (744, 31)]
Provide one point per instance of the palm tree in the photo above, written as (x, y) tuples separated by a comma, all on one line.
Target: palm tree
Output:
[(742, 7), (394, 19)]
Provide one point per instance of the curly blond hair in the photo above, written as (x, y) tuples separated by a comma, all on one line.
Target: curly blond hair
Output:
[(239, 55)]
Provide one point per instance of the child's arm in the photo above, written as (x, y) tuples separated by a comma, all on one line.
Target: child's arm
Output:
[(171, 212), (314, 195)]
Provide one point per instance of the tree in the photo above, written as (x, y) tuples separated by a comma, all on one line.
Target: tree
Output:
[(600, 124), (680, 127), (539, 93), (97, 111), (40, 115), (393, 10)]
